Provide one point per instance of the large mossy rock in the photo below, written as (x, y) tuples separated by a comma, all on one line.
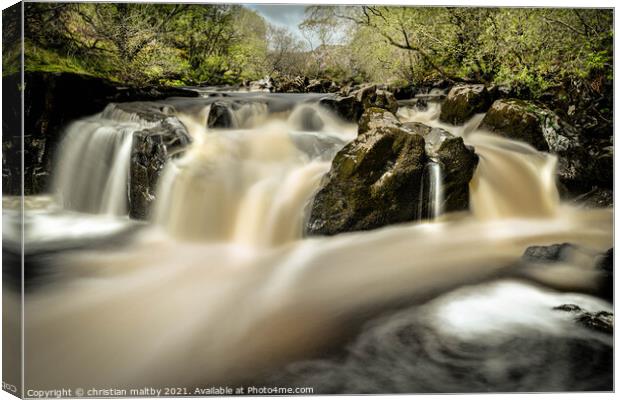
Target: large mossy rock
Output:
[(579, 167), (530, 122), (375, 118), (374, 181), (463, 102), (458, 163), (372, 97), (151, 149)]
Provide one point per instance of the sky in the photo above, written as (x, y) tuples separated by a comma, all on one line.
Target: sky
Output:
[(289, 16)]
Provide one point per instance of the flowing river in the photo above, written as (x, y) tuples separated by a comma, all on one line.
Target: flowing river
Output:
[(221, 286)]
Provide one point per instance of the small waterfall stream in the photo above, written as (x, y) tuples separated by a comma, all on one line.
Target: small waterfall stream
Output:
[(221, 287), (431, 192)]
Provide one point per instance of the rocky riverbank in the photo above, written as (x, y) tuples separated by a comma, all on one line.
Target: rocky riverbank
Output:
[(51, 101), (559, 123)]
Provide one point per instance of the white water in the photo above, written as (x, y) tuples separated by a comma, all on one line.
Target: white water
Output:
[(431, 192), (92, 168), (249, 185), (512, 179), (246, 294)]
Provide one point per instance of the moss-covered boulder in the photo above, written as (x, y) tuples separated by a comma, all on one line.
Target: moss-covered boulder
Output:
[(532, 123), (457, 161), (376, 117), (463, 102), (374, 181), (579, 166), (372, 97)]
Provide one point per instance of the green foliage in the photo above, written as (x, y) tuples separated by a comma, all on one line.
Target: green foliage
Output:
[(146, 43), (533, 49), (530, 48)]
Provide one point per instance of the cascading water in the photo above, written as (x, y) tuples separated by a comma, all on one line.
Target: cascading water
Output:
[(250, 185), (246, 294), (431, 192), (93, 162), (512, 179)]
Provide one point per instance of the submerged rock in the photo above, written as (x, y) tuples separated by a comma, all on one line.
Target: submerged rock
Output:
[(220, 116), (151, 149), (463, 102), (548, 254), (307, 118), (348, 108), (596, 198), (601, 321), (374, 181), (570, 253)]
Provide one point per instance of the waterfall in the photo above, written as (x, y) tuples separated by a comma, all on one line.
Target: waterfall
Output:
[(93, 165), (512, 179), (249, 185), (431, 192), (222, 279)]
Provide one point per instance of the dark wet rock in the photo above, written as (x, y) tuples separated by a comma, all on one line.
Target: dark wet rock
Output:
[(568, 252), (568, 308), (600, 321), (405, 92), (579, 167), (458, 163), (548, 254), (376, 117), (372, 97), (348, 108), (51, 101), (463, 102), (151, 150), (322, 86), (532, 123), (374, 181), (500, 91), (595, 198), (220, 116), (605, 264)]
